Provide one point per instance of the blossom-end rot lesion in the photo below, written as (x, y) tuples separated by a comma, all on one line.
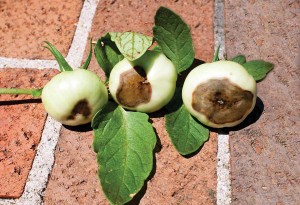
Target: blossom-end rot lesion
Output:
[(219, 94)]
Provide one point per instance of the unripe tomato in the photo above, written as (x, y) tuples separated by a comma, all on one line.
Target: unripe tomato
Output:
[(146, 84), (74, 97), (219, 94)]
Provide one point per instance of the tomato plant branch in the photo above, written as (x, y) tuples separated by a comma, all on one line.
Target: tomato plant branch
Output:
[(18, 91)]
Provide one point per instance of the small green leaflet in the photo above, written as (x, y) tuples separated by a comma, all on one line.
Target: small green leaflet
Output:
[(63, 64), (216, 56), (173, 36), (258, 68), (89, 58), (124, 143), (132, 45), (240, 59), (186, 133), (107, 54)]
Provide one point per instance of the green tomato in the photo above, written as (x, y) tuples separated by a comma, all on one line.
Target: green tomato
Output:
[(146, 84), (74, 97), (219, 94)]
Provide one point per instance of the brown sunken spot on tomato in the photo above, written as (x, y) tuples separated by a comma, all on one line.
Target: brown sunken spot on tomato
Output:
[(81, 108), (221, 101), (134, 89)]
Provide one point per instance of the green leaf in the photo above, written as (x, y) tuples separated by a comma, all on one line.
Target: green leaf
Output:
[(258, 68), (240, 59), (124, 143), (173, 36), (63, 64), (107, 54), (132, 45), (186, 133), (89, 58)]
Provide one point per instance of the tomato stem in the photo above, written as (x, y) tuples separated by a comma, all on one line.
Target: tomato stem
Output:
[(14, 91)]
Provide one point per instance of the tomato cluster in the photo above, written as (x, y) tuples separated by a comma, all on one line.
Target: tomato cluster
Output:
[(219, 94)]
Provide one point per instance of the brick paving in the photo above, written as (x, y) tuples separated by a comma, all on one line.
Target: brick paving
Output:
[(26, 24), (21, 125), (264, 155)]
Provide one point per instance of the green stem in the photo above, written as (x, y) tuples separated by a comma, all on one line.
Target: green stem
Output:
[(216, 56), (14, 91)]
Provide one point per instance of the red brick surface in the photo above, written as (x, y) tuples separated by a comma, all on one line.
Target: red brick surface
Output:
[(21, 124), (74, 177), (26, 24), (265, 155)]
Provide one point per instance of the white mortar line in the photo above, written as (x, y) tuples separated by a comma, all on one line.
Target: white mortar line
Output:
[(42, 164), (80, 39), (219, 27), (44, 159), (27, 63), (223, 171), (223, 155)]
